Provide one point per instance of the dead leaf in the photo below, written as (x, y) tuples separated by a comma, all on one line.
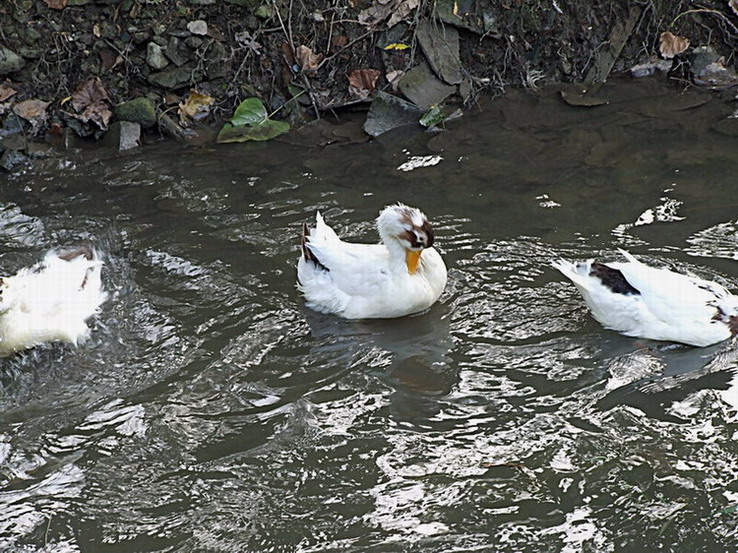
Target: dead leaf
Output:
[(339, 42), (33, 111), (6, 92), (307, 60), (670, 45), (393, 78), (91, 101), (733, 6), (383, 9), (362, 82), (195, 107), (56, 4)]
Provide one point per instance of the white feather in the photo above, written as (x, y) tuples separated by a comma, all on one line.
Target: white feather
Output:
[(359, 281), (669, 306), (49, 302)]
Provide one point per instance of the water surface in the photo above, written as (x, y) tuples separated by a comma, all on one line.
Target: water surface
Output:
[(211, 411)]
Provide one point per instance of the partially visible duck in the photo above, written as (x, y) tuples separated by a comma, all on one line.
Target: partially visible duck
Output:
[(402, 275), (658, 304), (50, 301)]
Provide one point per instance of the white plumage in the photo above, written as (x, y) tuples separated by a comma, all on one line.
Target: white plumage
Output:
[(400, 276), (659, 304), (50, 301)]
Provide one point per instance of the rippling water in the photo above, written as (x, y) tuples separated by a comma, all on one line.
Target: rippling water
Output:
[(211, 411)]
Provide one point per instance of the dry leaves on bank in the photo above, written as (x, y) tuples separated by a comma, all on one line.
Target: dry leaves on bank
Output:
[(307, 59), (33, 111), (396, 10), (195, 107), (362, 82), (670, 44), (56, 4), (91, 101), (6, 92)]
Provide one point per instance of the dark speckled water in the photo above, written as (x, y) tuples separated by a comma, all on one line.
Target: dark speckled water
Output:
[(212, 412)]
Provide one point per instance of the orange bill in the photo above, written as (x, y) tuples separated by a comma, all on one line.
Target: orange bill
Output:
[(412, 259)]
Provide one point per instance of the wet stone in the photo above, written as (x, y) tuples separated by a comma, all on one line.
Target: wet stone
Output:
[(423, 88), (388, 112), (10, 159), (198, 27), (441, 48), (10, 62), (123, 135), (174, 78), (139, 110), (155, 57)]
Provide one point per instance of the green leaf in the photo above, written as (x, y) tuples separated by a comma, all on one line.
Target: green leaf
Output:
[(251, 121), (249, 112), (266, 130), (432, 117)]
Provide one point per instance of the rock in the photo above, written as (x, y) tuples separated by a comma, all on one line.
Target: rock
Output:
[(139, 110), (198, 27), (173, 53), (441, 48), (155, 57), (423, 88), (14, 141), (11, 159), (388, 112), (174, 78), (217, 57), (123, 135), (10, 62), (202, 2)]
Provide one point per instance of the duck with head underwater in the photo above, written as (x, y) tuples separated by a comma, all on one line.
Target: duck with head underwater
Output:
[(50, 301), (402, 275)]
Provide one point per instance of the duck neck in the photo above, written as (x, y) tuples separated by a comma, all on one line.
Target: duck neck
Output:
[(400, 256)]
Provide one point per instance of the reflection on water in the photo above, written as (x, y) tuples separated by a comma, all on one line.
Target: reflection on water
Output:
[(211, 411)]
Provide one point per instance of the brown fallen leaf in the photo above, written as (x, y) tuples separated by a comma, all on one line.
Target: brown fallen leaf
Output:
[(362, 82), (194, 108), (393, 78), (670, 44), (33, 111), (6, 92), (91, 101), (383, 9), (307, 59), (56, 4)]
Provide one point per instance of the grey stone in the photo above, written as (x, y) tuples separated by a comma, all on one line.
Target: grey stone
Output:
[(138, 110), (123, 135), (198, 27), (172, 51), (423, 88), (441, 48), (155, 57), (173, 78), (388, 112), (10, 62), (11, 159)]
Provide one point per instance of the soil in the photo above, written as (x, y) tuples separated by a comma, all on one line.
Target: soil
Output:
[(309, 58)]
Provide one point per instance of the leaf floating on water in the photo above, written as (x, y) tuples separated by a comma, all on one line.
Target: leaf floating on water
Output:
[(195, 107), (581, 100), (670, 44), (251, 121)]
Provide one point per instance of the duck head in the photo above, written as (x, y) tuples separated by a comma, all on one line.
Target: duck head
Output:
[(408, 228)]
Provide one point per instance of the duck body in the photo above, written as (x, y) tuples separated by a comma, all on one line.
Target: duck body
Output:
[(654, 303), (50, 301), (401, 276)]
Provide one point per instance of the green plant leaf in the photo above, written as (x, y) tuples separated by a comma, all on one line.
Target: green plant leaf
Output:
[(266, 130), (249, 112), (432, 117)]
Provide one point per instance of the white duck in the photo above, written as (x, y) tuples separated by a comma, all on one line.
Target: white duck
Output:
[(50, 301), (400, 276), (637, 300)]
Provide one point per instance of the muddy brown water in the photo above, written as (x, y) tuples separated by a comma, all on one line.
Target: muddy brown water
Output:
[(211, 411)]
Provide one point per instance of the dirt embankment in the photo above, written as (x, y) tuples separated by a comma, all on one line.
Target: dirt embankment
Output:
[(72, 69)]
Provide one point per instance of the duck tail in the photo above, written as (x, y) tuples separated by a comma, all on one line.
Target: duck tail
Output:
[(305, 246)]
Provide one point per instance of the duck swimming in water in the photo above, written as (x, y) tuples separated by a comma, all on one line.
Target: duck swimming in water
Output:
[(658, 304), (50, 301), (401, 276)]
